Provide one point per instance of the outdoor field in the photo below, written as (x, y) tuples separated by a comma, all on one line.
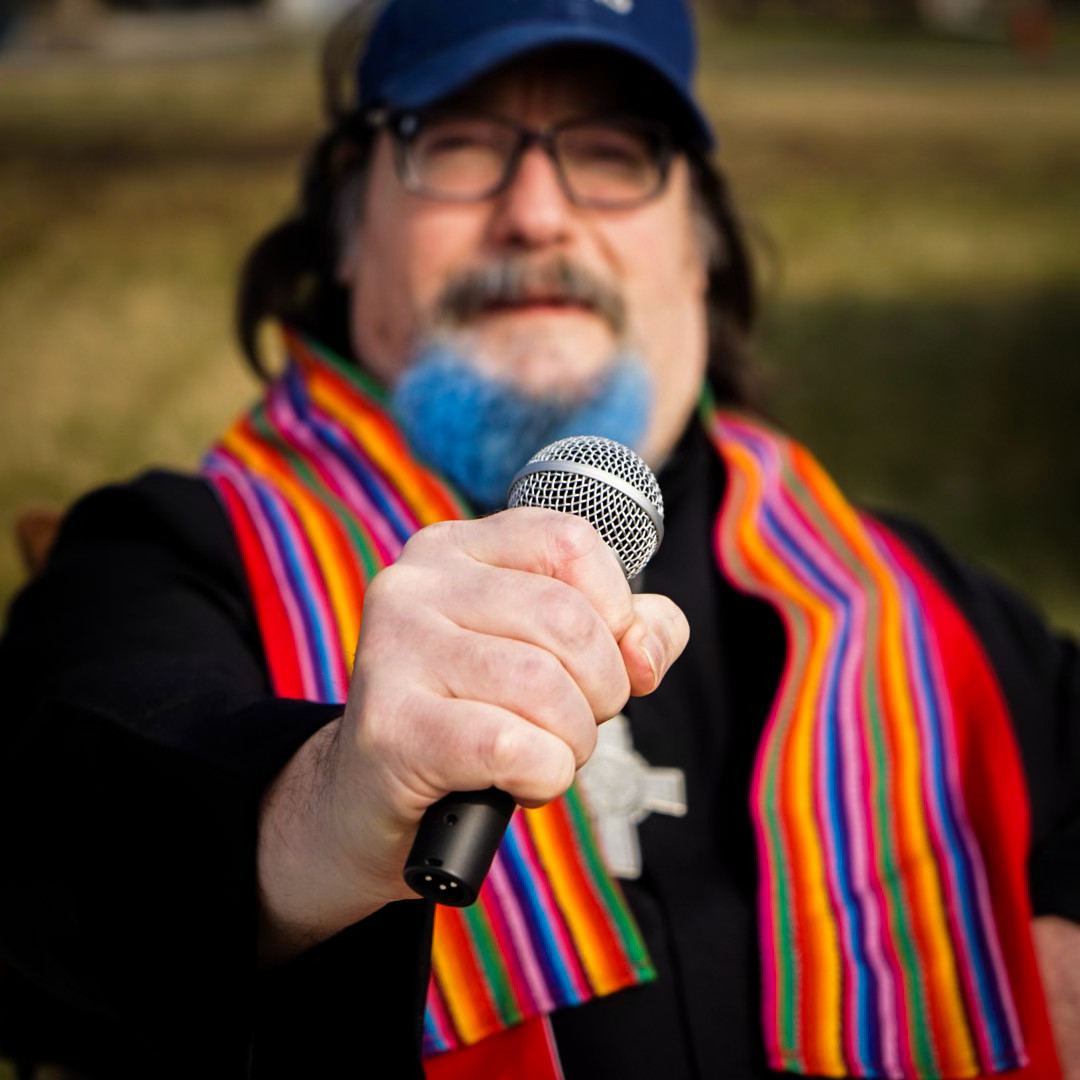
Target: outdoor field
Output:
[(915, 204)]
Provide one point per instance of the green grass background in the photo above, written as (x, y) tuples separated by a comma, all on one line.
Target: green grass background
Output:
[(916, 204)]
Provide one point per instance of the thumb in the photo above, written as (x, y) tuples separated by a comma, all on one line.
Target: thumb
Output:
[(653, 641)]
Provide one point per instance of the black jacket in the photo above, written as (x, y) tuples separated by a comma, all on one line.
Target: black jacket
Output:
[(139, 732)]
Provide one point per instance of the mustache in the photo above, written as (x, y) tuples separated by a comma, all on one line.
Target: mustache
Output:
[(517, 280)]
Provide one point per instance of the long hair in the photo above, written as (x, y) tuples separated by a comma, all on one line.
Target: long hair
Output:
[(290, 273)]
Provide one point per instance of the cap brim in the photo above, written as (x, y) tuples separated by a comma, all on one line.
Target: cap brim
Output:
[(455, 68)]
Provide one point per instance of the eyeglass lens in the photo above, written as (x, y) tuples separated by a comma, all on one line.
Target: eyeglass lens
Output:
[(600, 163)]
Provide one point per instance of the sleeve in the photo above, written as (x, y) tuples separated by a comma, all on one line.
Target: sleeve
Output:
[(1039, 673), (137, 736)]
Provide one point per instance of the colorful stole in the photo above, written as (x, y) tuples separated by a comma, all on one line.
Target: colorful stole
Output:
[(887, 796), (322, 493)]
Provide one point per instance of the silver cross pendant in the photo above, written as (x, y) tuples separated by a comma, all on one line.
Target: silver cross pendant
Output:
[(621, 789)]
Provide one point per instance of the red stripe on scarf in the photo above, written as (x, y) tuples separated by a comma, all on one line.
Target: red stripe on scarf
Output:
[(995, 793), (282, 658)]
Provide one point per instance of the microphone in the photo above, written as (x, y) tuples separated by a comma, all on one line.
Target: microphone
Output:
[(608, 485)]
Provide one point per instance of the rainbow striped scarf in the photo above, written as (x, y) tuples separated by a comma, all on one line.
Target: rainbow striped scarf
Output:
[(887, 795), (892, 900), (322, 493)]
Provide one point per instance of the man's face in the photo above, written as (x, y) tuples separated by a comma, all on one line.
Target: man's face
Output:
[(408, 248)]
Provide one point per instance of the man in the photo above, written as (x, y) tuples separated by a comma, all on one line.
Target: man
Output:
[(514, 233)]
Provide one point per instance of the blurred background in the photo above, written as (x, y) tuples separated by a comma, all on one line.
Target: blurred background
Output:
[(910, 170)]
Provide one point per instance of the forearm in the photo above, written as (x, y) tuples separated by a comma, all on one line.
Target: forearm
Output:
[(311, 885)]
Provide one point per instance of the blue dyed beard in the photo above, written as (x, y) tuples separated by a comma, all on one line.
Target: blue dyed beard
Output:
[(479, 431)]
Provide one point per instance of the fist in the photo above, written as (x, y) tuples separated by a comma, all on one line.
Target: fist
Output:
[(488, 654), (492, 649)]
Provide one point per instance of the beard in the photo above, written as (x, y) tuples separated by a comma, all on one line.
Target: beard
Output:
[(470, 403), (479, 429)]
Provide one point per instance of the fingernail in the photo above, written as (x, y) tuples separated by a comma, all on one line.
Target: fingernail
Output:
[(654, 653)]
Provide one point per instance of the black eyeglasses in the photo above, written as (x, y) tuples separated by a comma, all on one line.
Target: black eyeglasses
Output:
[(606, 163)]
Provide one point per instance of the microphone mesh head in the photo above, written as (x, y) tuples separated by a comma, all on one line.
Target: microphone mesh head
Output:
[(604, 482)]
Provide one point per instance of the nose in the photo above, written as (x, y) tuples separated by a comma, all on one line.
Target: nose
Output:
[(533, 210)]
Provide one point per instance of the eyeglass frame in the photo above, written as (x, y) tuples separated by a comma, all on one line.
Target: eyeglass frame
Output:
[(405, 124)]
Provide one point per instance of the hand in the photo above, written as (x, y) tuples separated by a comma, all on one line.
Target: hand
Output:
[(488, 654)]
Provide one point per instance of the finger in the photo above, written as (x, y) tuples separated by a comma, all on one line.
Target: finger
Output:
[(415, 609), (460, 745), (543, 612), (525, 680), (546, 542), (653, 642)]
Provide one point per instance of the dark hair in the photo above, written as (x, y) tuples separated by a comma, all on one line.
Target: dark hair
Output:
[(290, 274)]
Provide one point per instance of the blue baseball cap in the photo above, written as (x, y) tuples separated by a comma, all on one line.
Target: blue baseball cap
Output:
[(423, 50)]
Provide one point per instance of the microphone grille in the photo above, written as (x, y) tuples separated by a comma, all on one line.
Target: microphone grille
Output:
[(603, 482)]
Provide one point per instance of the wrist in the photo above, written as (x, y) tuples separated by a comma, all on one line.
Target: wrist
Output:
[(310, 885)]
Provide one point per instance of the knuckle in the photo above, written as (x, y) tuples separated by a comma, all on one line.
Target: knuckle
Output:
[(389, 583), (535, 670), (382, 584), (392, 611), (569, 618), (501, 751), (437, 535), (570, 537)]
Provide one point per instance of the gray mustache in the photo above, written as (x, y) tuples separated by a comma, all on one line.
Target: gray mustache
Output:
[(516, 280)]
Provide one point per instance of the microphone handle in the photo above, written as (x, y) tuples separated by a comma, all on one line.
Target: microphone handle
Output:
[(456, 843)]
